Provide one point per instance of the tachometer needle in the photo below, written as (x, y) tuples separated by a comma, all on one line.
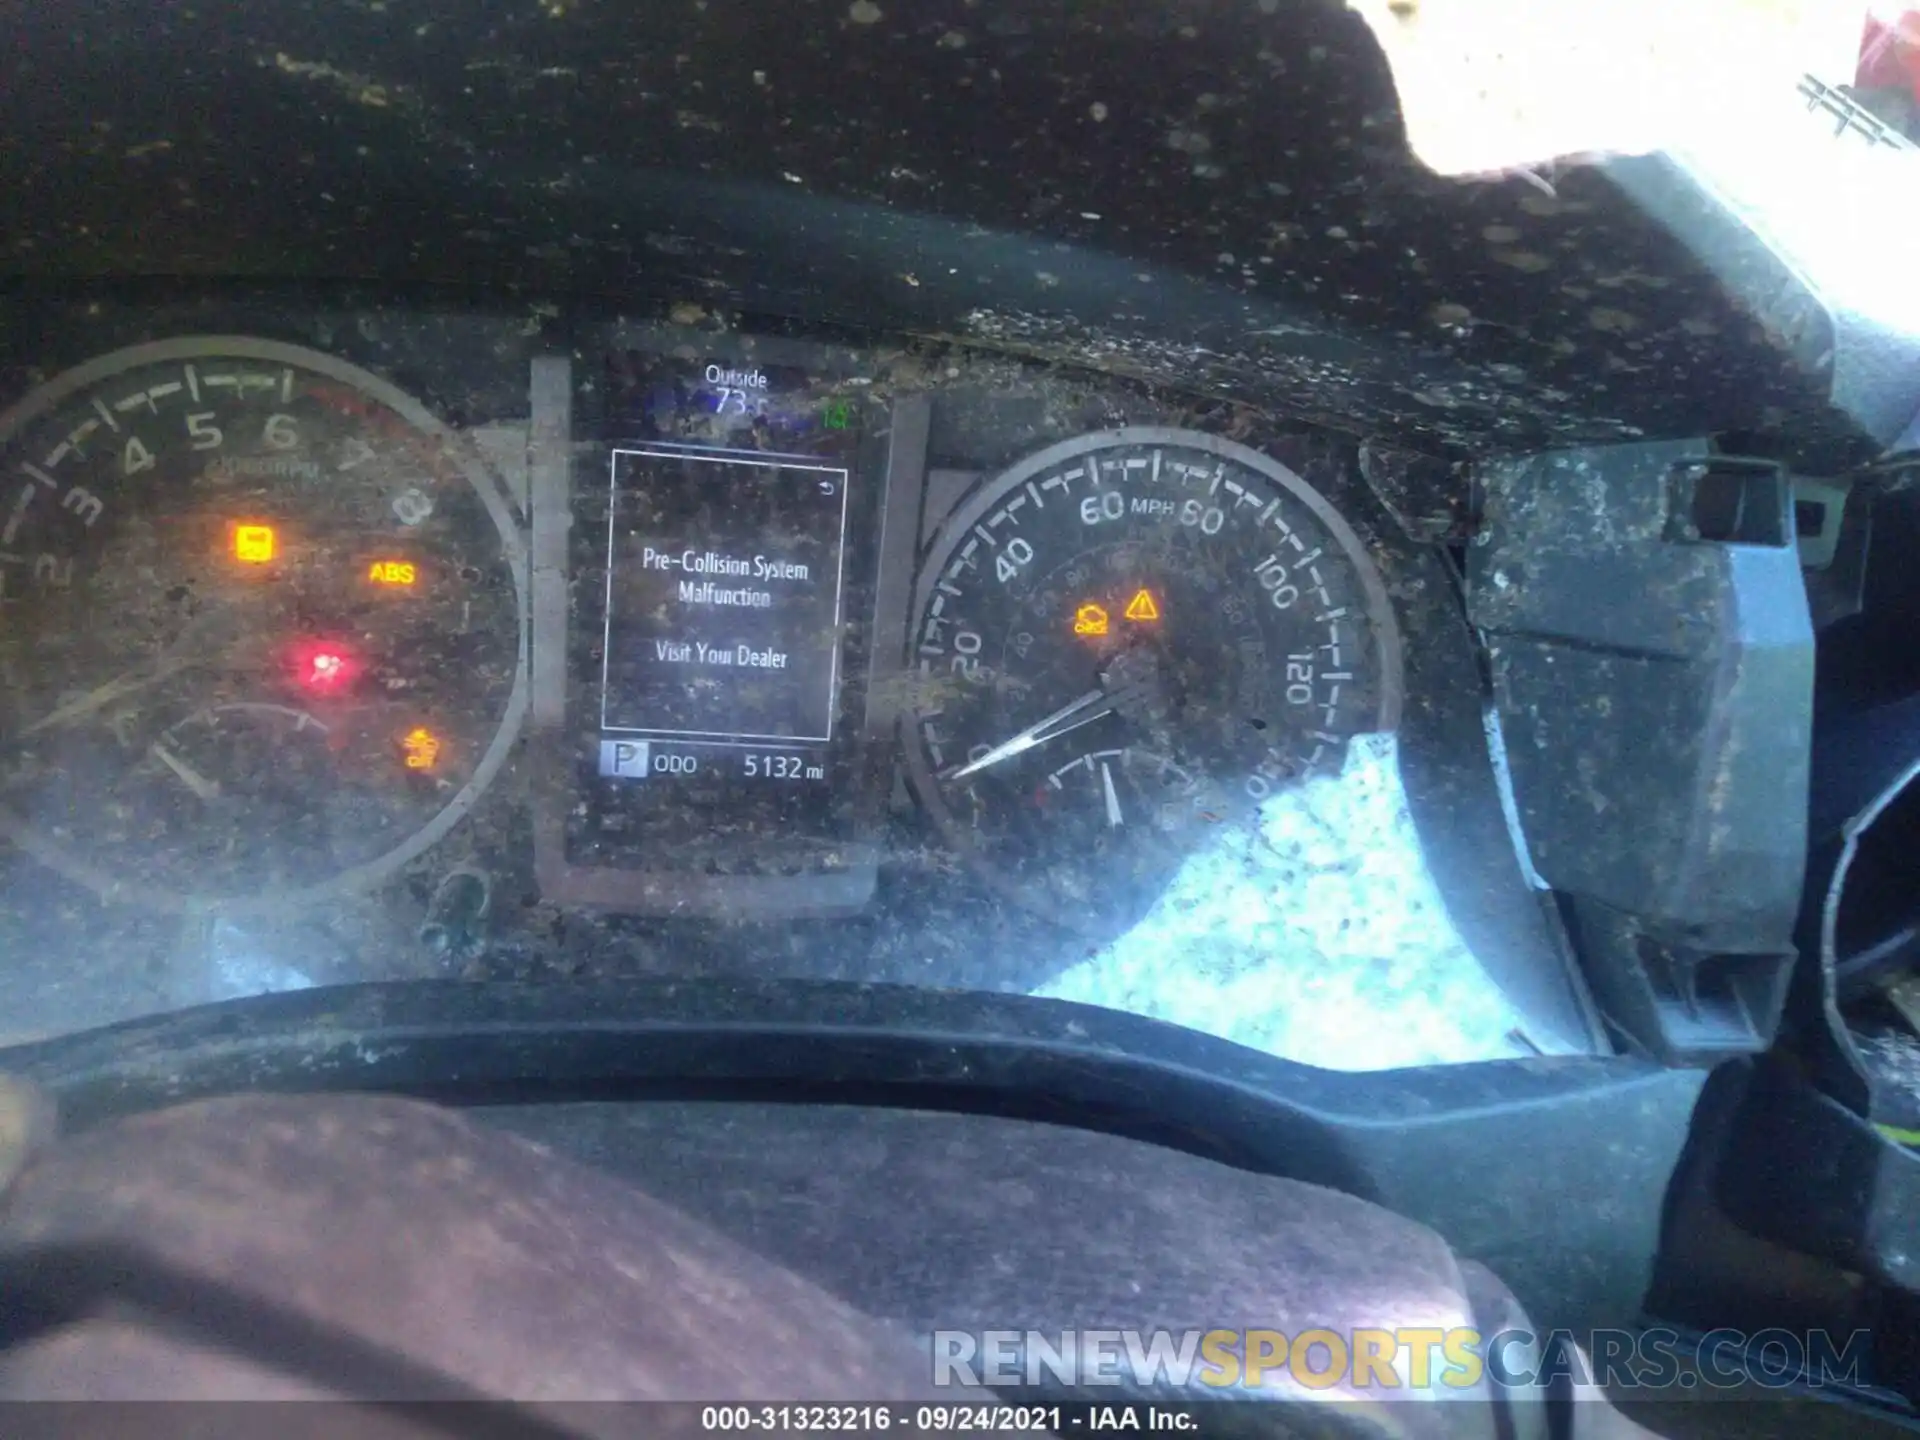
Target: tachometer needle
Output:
[(1114, 817), (105, 695), (1088, 708), (191, 778)]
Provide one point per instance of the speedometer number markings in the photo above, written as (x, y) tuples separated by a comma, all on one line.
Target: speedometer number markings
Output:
[(1168, 629)]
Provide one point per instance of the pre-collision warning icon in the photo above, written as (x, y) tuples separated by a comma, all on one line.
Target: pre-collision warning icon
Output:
[(624, 759)]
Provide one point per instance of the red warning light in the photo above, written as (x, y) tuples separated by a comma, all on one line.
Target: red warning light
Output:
[(324, 665)]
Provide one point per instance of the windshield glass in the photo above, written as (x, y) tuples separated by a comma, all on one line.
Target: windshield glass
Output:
[(709, 618)]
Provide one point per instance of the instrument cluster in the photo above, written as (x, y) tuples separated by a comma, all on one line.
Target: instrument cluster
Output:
[(353, 641)]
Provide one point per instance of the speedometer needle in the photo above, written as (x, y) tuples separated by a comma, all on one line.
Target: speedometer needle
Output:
[(1114, 818), (1070, 717), (1088, 708)]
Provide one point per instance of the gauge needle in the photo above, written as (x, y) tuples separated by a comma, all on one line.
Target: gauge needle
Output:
[(191, 778), (1092, 706), (1071, 716), (1114, 817), (105, 695), (184, 654)]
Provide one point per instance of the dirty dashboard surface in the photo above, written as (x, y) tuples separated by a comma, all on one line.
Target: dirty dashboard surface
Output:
[(969, 496), (370, 638)]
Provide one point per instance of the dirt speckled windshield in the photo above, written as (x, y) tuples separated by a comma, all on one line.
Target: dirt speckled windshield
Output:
[(1088, 506)]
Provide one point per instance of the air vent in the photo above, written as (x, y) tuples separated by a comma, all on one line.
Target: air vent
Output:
[(1849, 116), (1731, 502)]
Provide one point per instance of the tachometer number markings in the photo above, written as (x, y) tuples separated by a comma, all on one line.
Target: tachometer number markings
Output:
[(156, 458), (412, 506), (84, 503), (202, 433)]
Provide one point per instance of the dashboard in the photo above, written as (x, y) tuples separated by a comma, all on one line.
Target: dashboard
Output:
[(346, 638)]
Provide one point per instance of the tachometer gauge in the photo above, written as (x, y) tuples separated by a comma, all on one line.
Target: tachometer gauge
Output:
[(1129, 639), (262, 629)]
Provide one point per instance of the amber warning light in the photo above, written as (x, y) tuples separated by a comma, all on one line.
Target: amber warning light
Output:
[(255, 544), (421, 748), (392, 572), (1093, 619)]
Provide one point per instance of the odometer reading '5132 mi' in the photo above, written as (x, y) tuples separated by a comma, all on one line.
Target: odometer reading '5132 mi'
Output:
[(1129, 638)]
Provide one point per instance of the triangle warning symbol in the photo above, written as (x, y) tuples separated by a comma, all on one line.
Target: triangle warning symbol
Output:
[(1141, 607)]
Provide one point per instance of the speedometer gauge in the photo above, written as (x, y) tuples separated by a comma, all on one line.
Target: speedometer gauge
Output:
[(262, 631), (1129, 639)]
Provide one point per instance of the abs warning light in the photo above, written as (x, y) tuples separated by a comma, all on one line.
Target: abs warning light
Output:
[(255, 544), (392, 572), (1143, 607), (1090, 620)]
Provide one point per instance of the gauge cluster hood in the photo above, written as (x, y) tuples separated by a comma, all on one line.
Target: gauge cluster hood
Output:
[(1210, 193)]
